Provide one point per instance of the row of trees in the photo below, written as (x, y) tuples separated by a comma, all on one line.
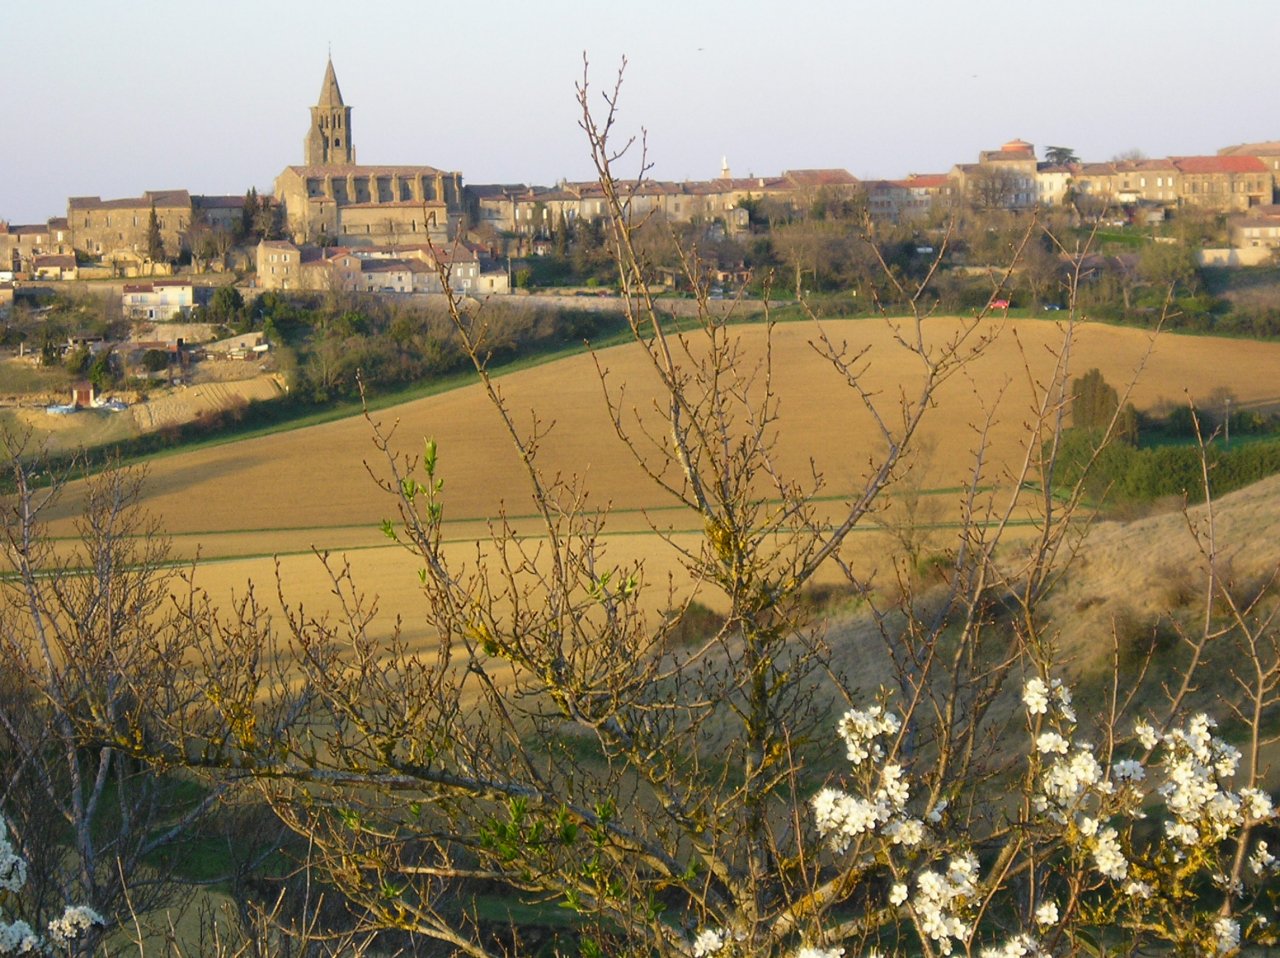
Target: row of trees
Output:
[(762, 788)]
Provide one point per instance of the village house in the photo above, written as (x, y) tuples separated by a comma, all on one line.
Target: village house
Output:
[(157, 300), (402, 268), (53, 266), (1001, 179), (1223, 182), (1258, 228), (21, 244), (1268, 152), (910, 200), (279, 265)]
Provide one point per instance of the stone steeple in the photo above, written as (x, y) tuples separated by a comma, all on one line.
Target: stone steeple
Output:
[(328, 142)]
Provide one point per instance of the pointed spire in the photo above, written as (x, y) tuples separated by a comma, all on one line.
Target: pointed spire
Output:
[(330, 95)]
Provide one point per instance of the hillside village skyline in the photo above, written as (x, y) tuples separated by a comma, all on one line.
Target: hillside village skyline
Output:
[(113, 106), (333, 200)]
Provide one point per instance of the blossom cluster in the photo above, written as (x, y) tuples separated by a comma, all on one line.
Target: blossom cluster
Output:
[(19, 938), (842, 817), (1093, 802), (861, 728), (941, 899)]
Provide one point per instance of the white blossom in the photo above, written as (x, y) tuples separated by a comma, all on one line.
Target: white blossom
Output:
[(1227, 932), (935, 813), (811, 951), (908, 832), (17, 938), (842, 818), (75, 921), (1257, 804), (893, 786), (1107, 856), (1139, 889), (860, 727), (1023, 946), (13, 868), (1147, 735), (898, 893), (708, 942), (1047, 913), (1051, 743), (1035, 695), (1129, 770), (940, 899), (1261, 860)]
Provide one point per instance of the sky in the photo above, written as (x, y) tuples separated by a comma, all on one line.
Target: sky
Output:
[(111, 99)]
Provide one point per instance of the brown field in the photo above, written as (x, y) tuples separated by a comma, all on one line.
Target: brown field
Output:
[(289, 493)]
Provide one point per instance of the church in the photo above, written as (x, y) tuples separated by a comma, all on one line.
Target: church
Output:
[(332, 200)]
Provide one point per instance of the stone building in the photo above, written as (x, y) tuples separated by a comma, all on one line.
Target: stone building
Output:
[(21, 244), (331, 198), (101, 228)]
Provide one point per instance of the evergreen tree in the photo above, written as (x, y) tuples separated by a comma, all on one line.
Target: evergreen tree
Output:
[(155, 243), (1094, 404), (248, 215)]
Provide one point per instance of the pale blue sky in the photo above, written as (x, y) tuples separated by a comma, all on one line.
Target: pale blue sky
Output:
[(115, 98)]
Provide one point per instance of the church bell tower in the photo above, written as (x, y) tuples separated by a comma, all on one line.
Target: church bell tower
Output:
[(328, 141)]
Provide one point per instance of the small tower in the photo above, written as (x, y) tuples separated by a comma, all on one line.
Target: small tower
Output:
[(328, 142)]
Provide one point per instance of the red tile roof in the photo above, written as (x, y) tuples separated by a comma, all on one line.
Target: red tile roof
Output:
[(1219, 164)]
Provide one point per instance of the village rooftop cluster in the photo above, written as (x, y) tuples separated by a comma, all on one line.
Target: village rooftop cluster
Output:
[(338, 224)]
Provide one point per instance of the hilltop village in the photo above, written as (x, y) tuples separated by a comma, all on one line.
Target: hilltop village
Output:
[(332, 222)]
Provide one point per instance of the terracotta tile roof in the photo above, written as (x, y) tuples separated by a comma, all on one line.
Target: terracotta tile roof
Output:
[(1219, 164), (926, 180)]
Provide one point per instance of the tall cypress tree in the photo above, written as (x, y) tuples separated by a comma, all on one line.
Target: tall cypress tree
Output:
[(155, 242)]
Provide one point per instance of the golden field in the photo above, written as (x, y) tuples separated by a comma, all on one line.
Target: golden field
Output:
[(241, 503)]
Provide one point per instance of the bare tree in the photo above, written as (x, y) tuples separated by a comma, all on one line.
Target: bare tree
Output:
[(84, 641)]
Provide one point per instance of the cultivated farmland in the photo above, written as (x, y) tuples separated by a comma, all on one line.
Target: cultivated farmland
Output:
[(285, 494)]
